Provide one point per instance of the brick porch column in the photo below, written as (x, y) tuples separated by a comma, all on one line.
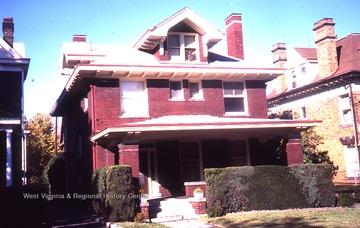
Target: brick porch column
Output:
[(294, 151), (129, 155)]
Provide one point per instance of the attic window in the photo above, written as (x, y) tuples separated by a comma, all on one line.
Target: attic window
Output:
[(182, 47)]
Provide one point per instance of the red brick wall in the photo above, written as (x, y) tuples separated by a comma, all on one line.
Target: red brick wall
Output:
[(129, 155), (107, 103), (104, 157), (256, 98), (190, 187), (294, 152)]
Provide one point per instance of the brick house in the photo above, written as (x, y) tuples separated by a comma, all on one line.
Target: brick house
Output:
[(323, 83), (13, 71), (169, 106)]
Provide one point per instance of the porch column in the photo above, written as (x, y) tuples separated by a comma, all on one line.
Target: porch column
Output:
[(8, 158), (294, 151), (129, 155)]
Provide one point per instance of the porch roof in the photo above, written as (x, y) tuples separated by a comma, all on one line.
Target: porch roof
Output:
[(168, 127)]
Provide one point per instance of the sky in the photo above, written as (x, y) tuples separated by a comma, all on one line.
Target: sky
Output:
[(43, 25)]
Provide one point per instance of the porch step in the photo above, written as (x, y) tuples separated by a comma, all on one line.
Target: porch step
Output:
[(172, 209)]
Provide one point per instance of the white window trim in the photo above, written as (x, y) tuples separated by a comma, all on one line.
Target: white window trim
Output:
[(182, 47), (145, 113), (200, 95), (342, 109), (244, 95), (181, 98)]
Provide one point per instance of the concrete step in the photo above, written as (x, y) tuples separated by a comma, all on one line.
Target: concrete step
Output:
[(173, 209)]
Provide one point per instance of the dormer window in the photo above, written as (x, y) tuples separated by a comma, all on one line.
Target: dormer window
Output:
[(182, 47)]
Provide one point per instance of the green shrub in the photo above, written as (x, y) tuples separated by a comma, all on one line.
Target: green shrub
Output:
[(345, 200), (268, 187), (117, 201), (316, 184)]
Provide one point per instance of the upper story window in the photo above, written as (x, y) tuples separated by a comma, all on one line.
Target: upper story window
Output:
[(182, 47), (176, 91), (133, 99), (195, 91), (234, 97), (345, 109), (293, 80)]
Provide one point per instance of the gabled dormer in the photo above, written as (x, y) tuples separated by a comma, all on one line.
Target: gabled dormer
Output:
[(184, 37)]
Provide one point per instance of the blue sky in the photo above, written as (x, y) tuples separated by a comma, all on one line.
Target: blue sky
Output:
[(44, 25)]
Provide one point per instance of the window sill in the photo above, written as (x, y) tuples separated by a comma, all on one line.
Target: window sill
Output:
[(196, 99), (345, 125), (124, 116), (177, 100), (241, 114)]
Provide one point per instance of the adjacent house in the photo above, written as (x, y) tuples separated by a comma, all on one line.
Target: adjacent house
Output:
[(13, 71), (170, 107), (323, 83)]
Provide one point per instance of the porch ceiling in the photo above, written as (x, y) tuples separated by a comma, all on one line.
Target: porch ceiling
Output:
[(235, 128)]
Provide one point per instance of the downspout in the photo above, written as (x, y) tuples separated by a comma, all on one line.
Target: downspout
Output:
[(92, 94), (352, 104)]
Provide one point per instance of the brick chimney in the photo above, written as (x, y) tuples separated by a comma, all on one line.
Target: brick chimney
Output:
[(326, 47), (78, 38), (234, 36), (279, 54), (279, 60), (8, 30)]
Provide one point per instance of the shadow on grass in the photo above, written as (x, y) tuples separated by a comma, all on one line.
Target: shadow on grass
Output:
[(288, 222)]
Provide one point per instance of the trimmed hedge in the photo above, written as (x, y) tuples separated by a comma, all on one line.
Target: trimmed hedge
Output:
[(115, 199), (268, 187)]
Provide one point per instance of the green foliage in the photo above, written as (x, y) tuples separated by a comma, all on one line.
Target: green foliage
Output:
[(345, 200), (40, 145), (117, 200), (311, 153), (315, 184), (268, 187)]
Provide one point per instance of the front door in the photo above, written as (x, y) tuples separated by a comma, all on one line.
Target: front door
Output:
[(148, 172)]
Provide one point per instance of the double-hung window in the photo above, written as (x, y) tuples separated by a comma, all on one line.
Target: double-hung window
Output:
[(345, 110), (195, 91), (182, 47), (134, 102), (234, 97), (176, 90)]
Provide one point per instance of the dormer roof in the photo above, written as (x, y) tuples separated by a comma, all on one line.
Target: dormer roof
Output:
[(153, 36)]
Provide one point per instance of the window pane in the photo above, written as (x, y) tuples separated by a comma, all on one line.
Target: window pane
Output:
[(238, 88), (234, 104), (189, 41), (131, 89), (175, 89), (190, 54), (228, 88), (173, 40), (194, 89), (237, 148)]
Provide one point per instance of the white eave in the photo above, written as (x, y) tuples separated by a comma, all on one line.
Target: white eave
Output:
[(152, 37), (173, 71)]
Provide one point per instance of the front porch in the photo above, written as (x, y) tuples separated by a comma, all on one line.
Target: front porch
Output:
[(168, 151)]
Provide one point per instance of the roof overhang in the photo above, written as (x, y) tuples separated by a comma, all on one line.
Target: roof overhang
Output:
[(315, 87), (154, 36), (238, 127), (170, 72)]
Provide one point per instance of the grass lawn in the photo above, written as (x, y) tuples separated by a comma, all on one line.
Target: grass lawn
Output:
[(140, 225), (320, 217)]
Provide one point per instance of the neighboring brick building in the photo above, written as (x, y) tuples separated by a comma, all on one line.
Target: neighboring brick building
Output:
[(169, 106), (13, 72), (322, 83)]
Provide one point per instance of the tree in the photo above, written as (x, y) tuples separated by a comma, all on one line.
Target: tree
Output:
[(312, 154), (40, 144)]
